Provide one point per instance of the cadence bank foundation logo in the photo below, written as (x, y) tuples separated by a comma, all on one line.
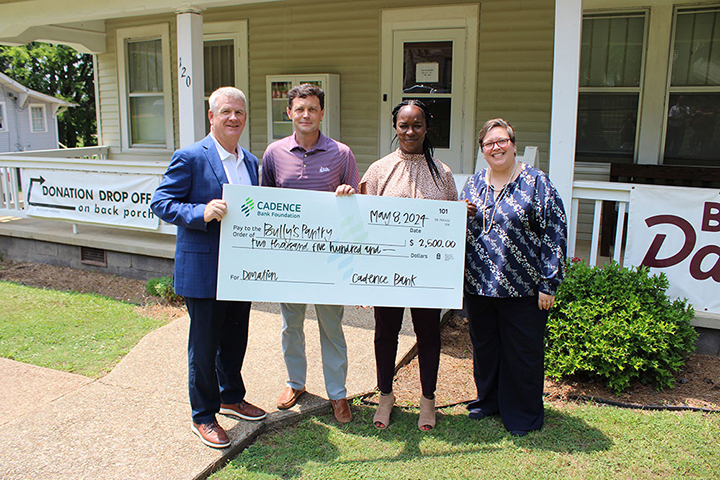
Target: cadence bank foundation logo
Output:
[(278, 209), (248, 206)]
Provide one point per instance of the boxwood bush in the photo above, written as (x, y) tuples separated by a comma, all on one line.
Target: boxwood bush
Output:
[(162, 287), (617, 325)]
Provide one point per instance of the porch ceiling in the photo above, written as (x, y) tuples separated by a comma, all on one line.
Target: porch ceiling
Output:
[(80, 23)]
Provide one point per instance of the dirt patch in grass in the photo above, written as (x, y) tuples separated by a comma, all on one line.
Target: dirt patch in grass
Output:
[(697, 384), (83, 281)]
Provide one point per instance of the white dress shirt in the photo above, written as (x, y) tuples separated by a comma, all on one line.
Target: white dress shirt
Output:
[(234, 165)]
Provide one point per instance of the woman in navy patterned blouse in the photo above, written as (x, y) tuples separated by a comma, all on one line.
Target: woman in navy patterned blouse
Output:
[(514, 262)]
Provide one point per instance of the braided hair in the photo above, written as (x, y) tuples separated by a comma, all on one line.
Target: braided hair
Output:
[(428, 147)]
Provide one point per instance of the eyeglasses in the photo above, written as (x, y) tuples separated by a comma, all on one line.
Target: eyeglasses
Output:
[(502, 143)]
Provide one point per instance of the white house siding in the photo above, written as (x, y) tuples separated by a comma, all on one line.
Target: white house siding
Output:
[(107, 102), (41, 140), (8, 138), (6, 142), (19, 137), (334, 36)]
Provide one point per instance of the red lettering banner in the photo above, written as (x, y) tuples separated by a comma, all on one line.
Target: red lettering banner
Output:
[(676, 231)]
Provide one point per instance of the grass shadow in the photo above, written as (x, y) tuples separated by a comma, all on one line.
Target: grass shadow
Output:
[(319, 442)]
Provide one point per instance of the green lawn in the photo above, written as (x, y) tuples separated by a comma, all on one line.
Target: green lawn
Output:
[(74, 332), (579, 441), (89, 334)]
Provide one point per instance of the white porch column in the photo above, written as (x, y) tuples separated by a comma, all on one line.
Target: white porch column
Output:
[(654, 111), (191, 88), (566, 71)]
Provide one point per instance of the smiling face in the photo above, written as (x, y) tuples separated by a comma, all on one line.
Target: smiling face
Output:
[(228, 121), (306, 115), (499, 158), (411, 129)]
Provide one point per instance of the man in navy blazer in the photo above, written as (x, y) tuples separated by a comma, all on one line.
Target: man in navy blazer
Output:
[(190, 196)]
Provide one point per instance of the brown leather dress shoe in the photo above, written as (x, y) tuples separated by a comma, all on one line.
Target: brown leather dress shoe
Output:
[(289, 397), (244, 410), (211, 434), (341, 408)]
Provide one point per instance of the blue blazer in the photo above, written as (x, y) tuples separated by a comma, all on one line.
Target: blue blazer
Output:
[(195, 176)]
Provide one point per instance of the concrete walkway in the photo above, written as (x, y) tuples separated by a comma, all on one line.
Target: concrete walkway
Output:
[(135, 421)]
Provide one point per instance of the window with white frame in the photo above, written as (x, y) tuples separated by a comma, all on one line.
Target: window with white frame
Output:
[(219, 60), (145, 87), (38, 123), (3, 117), (611, 65), (226, 61), (693, 104)]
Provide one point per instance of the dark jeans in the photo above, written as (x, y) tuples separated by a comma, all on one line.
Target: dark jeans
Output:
[(508, 354), (216, 349), (426, 323)]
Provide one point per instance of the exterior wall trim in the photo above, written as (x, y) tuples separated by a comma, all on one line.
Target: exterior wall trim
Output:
[(161, 30), (44, 116), (431, 18), (237, 31)]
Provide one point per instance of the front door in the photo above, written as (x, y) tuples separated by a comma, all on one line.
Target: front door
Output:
[(428, 66)]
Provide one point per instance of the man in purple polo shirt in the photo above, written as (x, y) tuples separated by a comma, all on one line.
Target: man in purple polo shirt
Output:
[(308, 160)]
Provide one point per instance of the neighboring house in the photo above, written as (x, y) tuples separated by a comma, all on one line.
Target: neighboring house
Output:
[(28, 119)]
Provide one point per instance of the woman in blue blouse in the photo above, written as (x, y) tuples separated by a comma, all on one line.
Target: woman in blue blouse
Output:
[(514, 262)]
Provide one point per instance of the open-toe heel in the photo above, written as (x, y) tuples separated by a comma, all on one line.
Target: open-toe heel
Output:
[(427, 413), (381, 419)]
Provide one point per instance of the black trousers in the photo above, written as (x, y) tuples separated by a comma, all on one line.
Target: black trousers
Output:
[(426, 323), (216, 348), (508, 337)]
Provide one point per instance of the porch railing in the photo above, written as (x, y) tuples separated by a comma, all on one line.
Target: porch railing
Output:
[(82, 152), (86, 160), (599, 192), (90, 159)]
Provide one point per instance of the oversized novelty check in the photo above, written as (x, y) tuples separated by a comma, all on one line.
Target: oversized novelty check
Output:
[(298, 246)]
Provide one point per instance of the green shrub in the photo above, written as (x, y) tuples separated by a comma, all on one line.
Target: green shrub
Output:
[(162, 287), (617, 325)]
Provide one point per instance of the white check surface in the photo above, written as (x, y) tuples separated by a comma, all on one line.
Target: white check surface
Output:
[(298, 246)]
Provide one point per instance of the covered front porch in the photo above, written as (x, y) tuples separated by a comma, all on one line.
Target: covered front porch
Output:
[(546, 106), (143, 253)]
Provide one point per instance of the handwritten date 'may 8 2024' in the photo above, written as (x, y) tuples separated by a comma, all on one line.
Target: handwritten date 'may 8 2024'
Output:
[(395, 217)]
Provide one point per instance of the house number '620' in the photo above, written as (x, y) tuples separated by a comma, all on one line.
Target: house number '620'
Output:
[(183, 74)]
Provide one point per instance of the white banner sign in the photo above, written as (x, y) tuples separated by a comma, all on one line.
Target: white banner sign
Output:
[(676, 231), (298, 246), (91, 197)]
